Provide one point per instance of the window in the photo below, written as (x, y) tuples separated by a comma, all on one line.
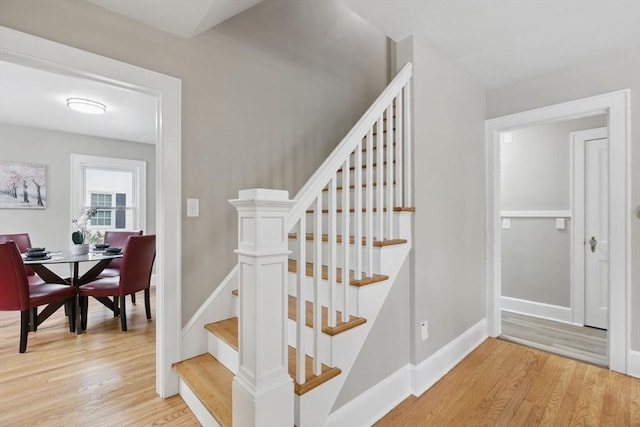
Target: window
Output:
[(115, 186)]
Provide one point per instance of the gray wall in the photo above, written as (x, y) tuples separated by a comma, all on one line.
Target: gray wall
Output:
[(449, 234), (535, 175), (51, 227), (266, 96), (616, 71)]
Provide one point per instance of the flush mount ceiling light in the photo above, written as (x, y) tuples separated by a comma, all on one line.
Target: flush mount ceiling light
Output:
[(86, 106)]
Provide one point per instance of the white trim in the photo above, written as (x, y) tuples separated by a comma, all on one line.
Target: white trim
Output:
[(617, 105), (577, 187), (80, 162), (430, 370), (634, 363), (374, 403), (535, 214), (557, 313), (46, 55), (194, 335), (199, 410)]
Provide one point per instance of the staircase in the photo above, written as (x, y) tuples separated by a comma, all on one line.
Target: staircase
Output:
[(311, 279)]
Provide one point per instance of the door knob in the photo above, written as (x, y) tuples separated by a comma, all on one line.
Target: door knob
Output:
[(593, 243)]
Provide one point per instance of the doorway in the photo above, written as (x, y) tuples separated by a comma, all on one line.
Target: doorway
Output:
[(616, 106), (35, 52)]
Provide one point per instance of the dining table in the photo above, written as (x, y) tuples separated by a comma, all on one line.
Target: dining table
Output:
[(101, 259)]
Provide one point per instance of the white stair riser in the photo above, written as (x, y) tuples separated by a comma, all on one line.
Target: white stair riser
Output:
[(401, 223), (324, 291), (325, 197), (222, 351), (374, 177)]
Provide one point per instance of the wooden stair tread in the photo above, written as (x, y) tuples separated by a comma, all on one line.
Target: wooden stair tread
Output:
[(312, 381), (395, 209), (211, 382), (376, 243), (329, 330), (352, 186), (293, 315), (364, 166), (366, 280)]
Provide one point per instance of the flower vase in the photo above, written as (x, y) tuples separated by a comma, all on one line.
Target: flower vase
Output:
[(80, 249)]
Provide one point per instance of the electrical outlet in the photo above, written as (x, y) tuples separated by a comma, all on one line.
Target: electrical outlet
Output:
[(425, 330), (193, 207)]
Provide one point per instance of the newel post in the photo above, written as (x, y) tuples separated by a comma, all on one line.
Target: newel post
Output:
[(262, 389)]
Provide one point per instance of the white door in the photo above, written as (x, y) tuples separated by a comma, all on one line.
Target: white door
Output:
[(596, 248)]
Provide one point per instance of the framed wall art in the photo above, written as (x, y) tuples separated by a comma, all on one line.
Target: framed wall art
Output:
[(23, 185)]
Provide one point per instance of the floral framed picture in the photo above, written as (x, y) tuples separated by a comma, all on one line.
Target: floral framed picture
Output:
[(23, 185)]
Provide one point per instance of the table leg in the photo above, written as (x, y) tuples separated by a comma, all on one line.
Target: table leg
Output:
[(75, 282)]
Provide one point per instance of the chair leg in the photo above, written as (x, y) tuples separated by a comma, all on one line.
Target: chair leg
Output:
[(84, 309), (123, 313), (24, 329), (33, 320), (115, 307), (147, 303), (133, 298), (70, 308)]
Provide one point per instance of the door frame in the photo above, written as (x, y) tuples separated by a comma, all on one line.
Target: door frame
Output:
[(578, 281), (617, 106), (36, 52)]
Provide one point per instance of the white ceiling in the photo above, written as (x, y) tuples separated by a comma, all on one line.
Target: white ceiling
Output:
[(35, 98), (497, 42)]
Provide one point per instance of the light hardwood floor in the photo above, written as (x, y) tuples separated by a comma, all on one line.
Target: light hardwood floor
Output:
[(102, 378), (577, 342), (506, 384)]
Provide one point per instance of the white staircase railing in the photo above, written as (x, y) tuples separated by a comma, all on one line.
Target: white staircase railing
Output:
[(380, 141)]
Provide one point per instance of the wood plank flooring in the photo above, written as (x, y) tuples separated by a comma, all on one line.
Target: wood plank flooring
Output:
[(102, 378), (577, 342), (505, 384)]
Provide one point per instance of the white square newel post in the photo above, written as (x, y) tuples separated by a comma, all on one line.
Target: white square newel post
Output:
[(262, 390)]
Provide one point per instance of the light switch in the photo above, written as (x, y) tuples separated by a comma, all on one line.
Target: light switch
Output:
[(561, 224), (506, 223), (193, 207)]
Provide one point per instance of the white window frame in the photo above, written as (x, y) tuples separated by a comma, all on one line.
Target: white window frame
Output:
[(81, 162)]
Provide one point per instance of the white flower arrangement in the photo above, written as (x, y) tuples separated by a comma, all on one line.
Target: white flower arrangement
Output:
[(78, 237)]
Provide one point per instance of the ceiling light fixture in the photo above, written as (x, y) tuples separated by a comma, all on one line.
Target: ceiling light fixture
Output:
[(86, 106)]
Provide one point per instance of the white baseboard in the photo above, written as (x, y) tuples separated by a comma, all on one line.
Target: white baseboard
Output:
[(198, 409), (429, 371), (536, 309), (374, 403), (634, 363)]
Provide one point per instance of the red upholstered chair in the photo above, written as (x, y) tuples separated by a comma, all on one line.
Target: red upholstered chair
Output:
[(16, 294), (117, 239), (23, 242), (135, 276)]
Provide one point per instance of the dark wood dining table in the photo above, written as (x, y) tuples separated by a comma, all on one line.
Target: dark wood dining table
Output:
[(101, 259)]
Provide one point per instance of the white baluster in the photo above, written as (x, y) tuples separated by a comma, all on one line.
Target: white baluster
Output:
[(333, 249), (407, 146), (390, 167), (357, 210), (399, 144), (368, 235), (317, 279), (380, 176), (346, 193), (301, 306)]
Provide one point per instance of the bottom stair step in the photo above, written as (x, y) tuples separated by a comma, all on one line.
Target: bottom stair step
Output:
[(211, 382), (227, 330)]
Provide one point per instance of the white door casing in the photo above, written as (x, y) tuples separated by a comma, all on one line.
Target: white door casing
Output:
[(596, 248), (36, 52), (617, 106)]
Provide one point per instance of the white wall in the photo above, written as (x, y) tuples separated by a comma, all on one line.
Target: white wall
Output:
[(535, 176), (447, 287), (266, 96), (52, 226), (616, 71)]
